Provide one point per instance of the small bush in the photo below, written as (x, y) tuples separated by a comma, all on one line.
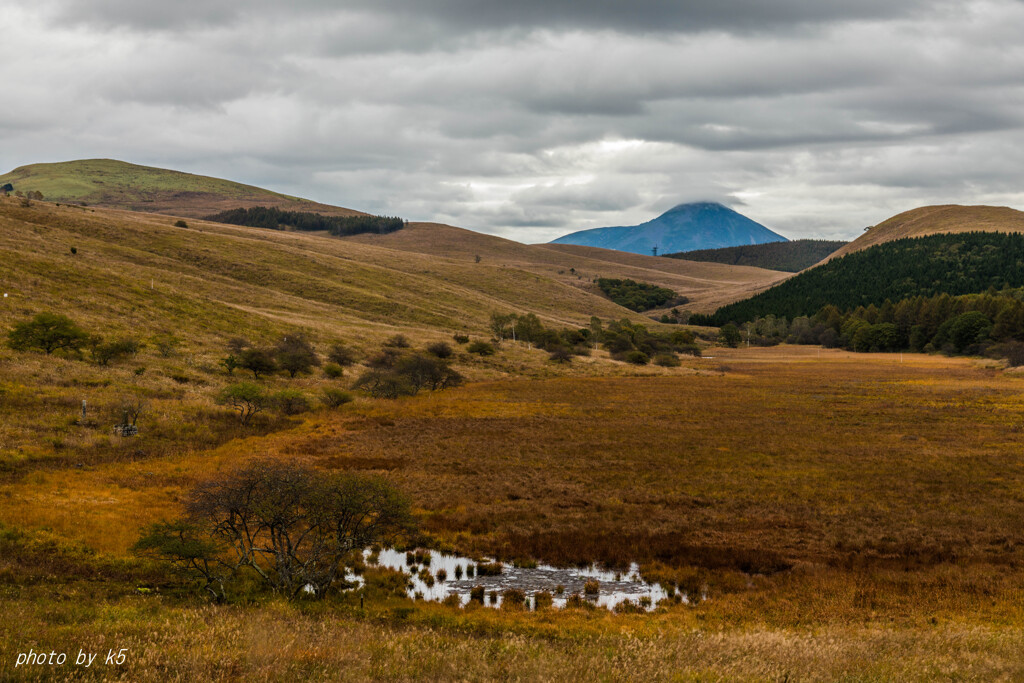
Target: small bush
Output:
[(591, 587), (398, 341), (476, 594), (441, 575), (667, 360), (636, 357), (440, 349), (180, 224), (489, 569), (543, 600), (628, 606), (291, 402), (452, 600), (576, 601), (460, 338), (458, 572), (481, 348), (335, 398), (104, 352), (512, 598), (560, 355), (340, 354), (333, 371)]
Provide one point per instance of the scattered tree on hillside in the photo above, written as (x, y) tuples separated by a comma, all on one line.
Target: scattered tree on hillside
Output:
[(248, 399), (294, 354), (258, 361), (47, 332)]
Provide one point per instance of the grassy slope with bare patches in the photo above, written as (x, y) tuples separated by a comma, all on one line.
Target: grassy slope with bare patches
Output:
[(707, 285)]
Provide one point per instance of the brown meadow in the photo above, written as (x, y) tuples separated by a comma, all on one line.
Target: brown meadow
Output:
[(848, 516)]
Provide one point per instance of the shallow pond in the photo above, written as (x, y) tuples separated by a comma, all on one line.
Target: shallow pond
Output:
[(614, 587)]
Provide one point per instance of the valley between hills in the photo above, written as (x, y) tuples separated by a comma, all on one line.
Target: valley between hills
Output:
[(820, 497)]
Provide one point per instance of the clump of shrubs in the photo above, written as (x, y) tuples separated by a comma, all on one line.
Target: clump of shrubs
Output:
[(481, 348), (290, 402), (667, 360), (591, 587), (335, 398), (333, 371), (460, 338), (543, 600), (489, 569), (476, 594), (636, 357), (105, 352), (406, 374), (440, 349), (513, 599)]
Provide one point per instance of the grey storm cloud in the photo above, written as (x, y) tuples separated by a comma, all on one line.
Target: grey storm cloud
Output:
[(487, 15), (533, 119)]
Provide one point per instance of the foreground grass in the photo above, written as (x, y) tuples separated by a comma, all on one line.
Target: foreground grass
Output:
[(279, 642), (850, 517)]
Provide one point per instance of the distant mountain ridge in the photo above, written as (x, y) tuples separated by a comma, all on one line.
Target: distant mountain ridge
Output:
[(686, 227)]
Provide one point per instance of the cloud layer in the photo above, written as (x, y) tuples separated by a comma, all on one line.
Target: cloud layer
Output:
[(534, 119)]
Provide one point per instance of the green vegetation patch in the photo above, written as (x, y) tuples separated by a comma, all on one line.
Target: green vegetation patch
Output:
[(636, 296), (965, 263), (276, 219)]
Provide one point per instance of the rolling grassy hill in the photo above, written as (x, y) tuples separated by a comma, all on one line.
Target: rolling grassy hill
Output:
[(117, 184), (791, 257), (137, 272), (707, 285), (931, 220)]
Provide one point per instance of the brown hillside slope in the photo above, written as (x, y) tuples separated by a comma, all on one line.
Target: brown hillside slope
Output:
[(117, 184), (931, 220), (707, 285), (137, 273)]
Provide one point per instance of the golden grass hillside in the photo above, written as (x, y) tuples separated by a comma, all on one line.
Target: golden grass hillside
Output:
[(707, 285), (118, 184), (933, 220), (138, 272)]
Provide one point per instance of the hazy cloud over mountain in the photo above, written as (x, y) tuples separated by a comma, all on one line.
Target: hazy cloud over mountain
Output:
[(534, 119)]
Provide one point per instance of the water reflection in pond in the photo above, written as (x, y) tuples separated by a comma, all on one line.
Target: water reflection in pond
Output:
[(461, 574)]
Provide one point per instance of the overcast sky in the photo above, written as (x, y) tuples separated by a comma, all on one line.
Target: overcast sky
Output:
[(534, 118)]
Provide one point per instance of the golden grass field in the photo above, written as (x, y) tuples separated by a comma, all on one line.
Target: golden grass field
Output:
[(850, 517)]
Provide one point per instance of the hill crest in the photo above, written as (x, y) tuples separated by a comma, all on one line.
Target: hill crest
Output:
[(935, 220), (110, 183)]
